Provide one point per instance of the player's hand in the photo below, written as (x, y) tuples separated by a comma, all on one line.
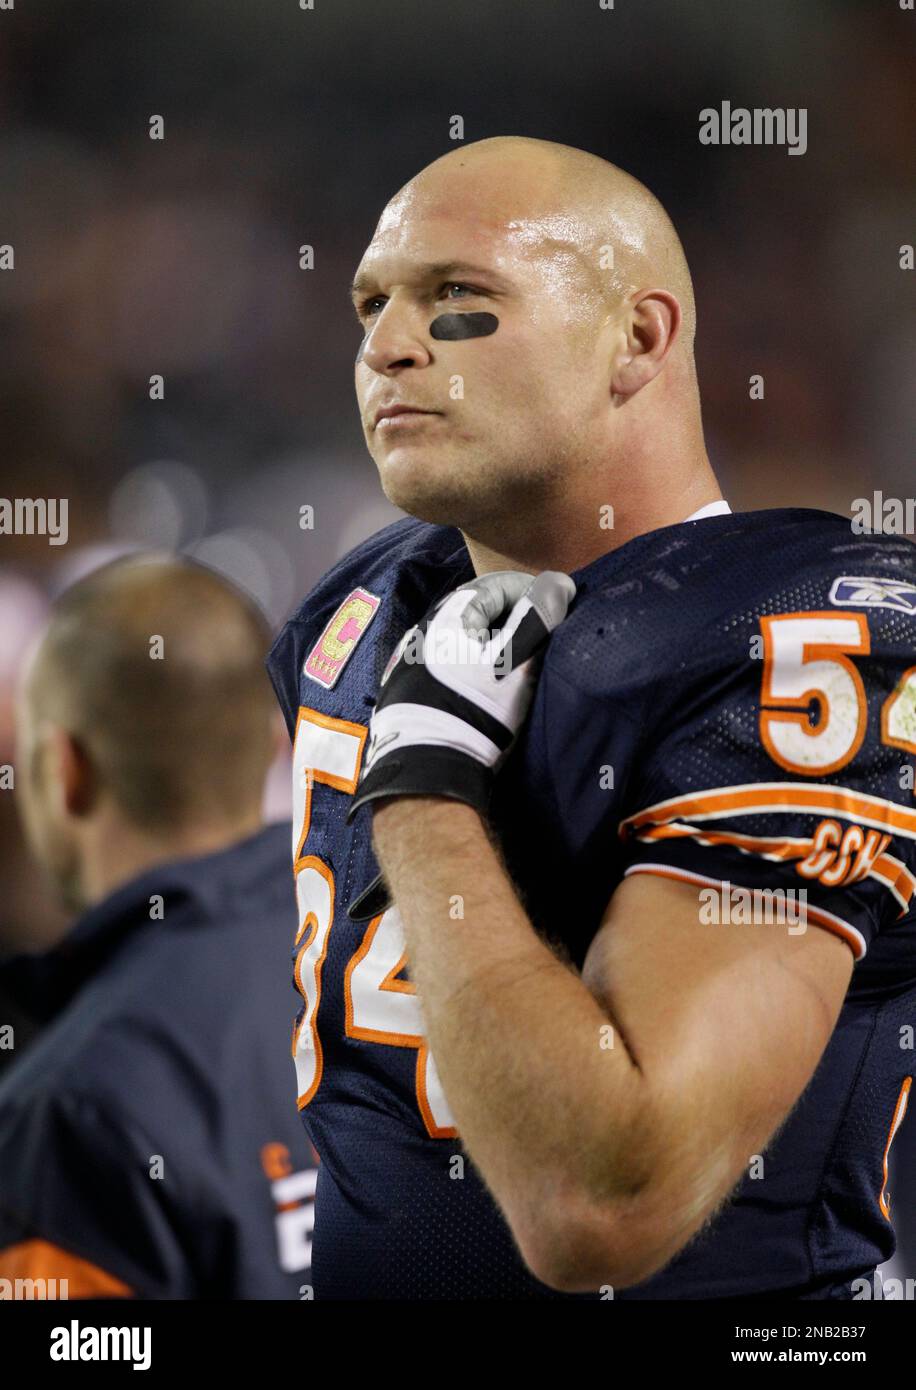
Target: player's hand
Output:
[(457, 690)]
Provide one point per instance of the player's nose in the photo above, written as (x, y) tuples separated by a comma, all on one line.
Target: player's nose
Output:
[(398, 338)]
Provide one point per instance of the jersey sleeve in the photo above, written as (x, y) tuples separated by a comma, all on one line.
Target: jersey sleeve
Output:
[(78, 1203), (719, 795)]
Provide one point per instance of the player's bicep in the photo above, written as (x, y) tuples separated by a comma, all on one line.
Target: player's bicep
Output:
[(727, 1023)]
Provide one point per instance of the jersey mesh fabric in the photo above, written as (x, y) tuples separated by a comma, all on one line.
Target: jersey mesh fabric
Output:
[(652, 677)]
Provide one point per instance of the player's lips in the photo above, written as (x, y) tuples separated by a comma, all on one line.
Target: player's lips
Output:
[(399, 414)]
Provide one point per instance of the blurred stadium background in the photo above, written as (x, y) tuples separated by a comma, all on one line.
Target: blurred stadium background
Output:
[(286, 126)]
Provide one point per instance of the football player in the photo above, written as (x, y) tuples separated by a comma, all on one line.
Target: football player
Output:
[(148, 1147), (604, 830)]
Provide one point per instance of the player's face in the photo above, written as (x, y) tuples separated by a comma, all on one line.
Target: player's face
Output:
[(508, 409)]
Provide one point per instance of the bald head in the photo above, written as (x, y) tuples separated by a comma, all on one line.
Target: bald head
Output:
[(154, 667), (533, 306), (563, 202)]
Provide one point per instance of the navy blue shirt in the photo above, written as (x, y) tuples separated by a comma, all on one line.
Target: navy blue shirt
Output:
[(729, 700), (149, 1141)]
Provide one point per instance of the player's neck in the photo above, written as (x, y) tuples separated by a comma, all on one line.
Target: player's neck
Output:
[(116, 855), (581, 532)]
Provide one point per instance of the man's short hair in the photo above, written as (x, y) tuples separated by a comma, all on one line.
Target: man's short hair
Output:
[(155, 665)]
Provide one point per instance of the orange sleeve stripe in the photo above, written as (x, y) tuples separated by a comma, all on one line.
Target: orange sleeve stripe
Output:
[(39, 1259), (773, 847), (767, 798), (891, 872), (899, 1112), (897, 878)]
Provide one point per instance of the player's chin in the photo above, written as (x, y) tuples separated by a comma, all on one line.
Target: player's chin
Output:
[(427, 484)]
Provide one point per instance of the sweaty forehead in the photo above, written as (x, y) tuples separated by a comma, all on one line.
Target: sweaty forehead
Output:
[(465, 215)]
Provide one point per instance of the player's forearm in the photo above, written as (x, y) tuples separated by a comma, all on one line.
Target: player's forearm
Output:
[(550, 1107)]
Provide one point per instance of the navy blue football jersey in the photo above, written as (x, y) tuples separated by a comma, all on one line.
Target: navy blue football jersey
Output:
[(730, 701)]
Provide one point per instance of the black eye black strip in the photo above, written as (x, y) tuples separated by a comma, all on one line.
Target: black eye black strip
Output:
[(453, 326)]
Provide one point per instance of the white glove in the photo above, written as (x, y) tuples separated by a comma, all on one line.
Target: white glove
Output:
[(456, 692)]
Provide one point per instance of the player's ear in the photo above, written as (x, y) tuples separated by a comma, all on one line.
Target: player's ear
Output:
[(72, 770), (654, 324)]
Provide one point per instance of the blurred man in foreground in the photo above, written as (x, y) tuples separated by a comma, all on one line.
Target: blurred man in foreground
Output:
[(149, 1145)]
